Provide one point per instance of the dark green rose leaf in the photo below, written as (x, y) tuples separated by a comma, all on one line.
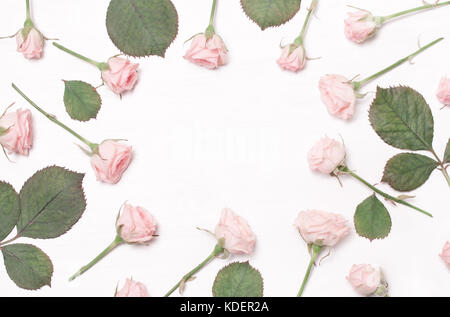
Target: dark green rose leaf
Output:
[(9, 209), (402, 118), (27, 266), (447, 153), (238, 280), (82, 100), (142, 27), (372, 219), (268, 13), (52, 201)]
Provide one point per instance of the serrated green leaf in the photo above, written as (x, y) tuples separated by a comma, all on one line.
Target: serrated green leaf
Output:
[(9, 209), (82, 100), (52, 201), (28, 266), (447, 153), (142, 27), (238, 280), (408, 171), (402, 118), (372, 219), (268, 13)]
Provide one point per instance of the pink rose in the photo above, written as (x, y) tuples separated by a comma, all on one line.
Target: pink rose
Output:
[(321, 228), (326, 155), (121, 76), (445, 255), (111, 161), (132, 289), (338, 94), (236, 233), (33, 46), (359, 26), (210, 53), (364, 278), (443, 92), (135, 225), (293, 61), (16, 133)]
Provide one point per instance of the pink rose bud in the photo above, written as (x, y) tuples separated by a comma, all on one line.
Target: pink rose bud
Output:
[(359, 26), (326, 155), (110, 161), (32, 47), (445, 255), (238, 237), (443, 92), (121, 76), (293, 59), (338, 94), (210, 53), (135, 225), (16, 133), (365, 279), (321, 228), (132, 289)]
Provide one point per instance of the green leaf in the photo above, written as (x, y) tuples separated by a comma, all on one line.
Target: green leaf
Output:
[(27, 266), (447, 153), (268, 13), (82, 100), (372, 219), (9, 209), (238, 280), (402, 118), (52, 201), (408, 171), (142, 27)]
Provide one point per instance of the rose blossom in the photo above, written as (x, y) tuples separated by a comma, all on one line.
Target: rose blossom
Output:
[(326, 155), (132, 289), (338, 94), (359, 26), (445, 255), (443, 92), (111, 161), (293, 61), (32, 46), (364, 278), (121, 76), (210, 53), (17, 129), (135, 225), (236, 233), (321, 228)]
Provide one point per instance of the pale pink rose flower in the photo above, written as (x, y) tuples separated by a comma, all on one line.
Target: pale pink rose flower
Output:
[(210, 53), (111, 161), (17, 126), (338, 94), (321, 228), (33, 46), (135, 225), (364, 278), (445, 255), (326, 155), (359, 26), (237, 235), (132, 289), (121, 76), (443, 92), (293, 61)]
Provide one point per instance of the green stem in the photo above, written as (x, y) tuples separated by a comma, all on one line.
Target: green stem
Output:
[(424, 7), (299, 40), (315, 250), (442, 165), (359, 84), (28, 10), (213, 13), (52, 118), (117, 241), (101, 66), (447, 177), (217, 250), (345, 169)]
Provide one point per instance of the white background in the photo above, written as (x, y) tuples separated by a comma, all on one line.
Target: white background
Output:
[(236, 137)]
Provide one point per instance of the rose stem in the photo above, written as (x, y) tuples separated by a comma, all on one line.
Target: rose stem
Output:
[(299, 40), (101, 66), (425, 7), (217, 250), (210, 29), (315, 252), (442, 165)]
